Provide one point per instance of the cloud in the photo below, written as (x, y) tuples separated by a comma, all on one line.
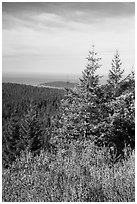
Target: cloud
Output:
[(88, 12), (108, 8), (47, 32), (41, 21), (60, 34)]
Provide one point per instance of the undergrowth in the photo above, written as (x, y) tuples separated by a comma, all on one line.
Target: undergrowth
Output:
[(81, 173)]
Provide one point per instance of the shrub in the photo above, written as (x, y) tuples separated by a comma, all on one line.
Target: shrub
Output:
[(81, 173)]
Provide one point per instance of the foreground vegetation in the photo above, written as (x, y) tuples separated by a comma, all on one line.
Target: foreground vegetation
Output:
[(81, 173), (80, 148)]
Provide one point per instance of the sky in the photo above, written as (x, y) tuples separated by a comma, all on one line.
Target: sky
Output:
[(40, 38)]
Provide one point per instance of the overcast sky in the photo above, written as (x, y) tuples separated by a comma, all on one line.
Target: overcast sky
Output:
[(56, 37)]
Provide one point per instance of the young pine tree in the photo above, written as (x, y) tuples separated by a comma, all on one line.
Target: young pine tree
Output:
[(31, 131), (10, 142), (121, 125), (116, 73), (90, 91), (79, 113), (89, 78)]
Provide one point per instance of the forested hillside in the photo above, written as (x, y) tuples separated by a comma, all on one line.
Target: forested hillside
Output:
[(17, 97), (80, 148), (19, 104)]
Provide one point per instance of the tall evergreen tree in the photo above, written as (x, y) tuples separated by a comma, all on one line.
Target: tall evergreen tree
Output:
[(120, 122), (90, 89), (89, 78), (79, 111), (116, 73)]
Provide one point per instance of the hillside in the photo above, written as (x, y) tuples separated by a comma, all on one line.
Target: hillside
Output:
[(58, 84), (17, 97), (67, 84), (20, 102)]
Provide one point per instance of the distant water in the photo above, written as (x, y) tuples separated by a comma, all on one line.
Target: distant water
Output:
[(37, 79)]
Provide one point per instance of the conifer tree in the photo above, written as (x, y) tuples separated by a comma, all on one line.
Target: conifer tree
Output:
[(90, 88), (11, 142), (116, 73), (31, 131), (28, 134), (79, 112), (89, 78), (120, 122), (128, 83)]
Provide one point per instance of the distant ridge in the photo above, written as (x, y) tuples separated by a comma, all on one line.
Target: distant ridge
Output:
[(66, 84), (58, 84)]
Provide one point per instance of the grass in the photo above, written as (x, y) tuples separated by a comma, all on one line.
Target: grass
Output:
[(81, 173)]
